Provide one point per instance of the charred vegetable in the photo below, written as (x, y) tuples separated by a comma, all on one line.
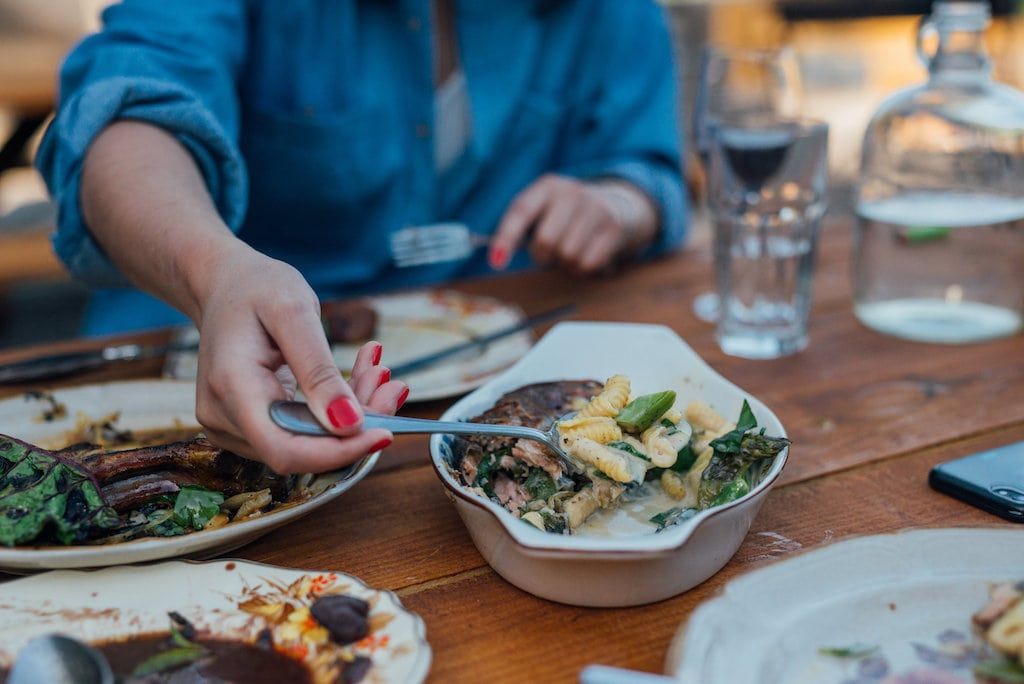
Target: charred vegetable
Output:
[(41, 492), (87, 493), (672, 516), (736, 453), (643, 412)]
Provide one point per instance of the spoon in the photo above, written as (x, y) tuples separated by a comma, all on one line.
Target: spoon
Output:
[(58, 659), (295, 417)]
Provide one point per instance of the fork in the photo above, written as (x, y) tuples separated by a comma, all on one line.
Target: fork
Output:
[(295, 417), (433, 244)]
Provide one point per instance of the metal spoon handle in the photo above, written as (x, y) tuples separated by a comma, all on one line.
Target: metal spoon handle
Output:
[(296, 417)]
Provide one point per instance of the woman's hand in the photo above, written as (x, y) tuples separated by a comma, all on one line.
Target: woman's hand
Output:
[(262, 336), (582, 226)]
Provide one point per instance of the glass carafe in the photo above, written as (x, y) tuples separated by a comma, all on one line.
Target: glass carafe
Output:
[(939, 245)]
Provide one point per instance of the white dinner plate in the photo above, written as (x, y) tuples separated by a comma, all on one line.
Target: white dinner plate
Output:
[(111, 604), (905, 600), (415, 324), (143, 404)]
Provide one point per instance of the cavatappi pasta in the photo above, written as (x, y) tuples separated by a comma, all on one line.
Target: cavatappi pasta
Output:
[(625, 446)]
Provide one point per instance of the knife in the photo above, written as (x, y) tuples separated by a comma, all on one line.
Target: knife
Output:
[(67, 363), (480, 342)]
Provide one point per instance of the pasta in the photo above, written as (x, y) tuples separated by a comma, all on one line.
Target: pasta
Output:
[(619, 447), (673, 415), (657, 446), (703, 417), (611, 400), (1007, 634), (617, 465), (600, 429)]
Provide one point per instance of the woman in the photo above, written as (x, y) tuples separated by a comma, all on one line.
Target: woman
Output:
[(237, 160)]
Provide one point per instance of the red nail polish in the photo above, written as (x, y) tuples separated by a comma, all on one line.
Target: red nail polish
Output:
[(385, 376), (401, 398), (498, 257), (377, 353), (382, 444), (342, 413)]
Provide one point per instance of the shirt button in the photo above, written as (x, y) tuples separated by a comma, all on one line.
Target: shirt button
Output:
[(422, 131), (413, 23)]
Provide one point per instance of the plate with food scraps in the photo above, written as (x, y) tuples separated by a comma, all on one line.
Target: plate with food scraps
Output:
[(412, 325), (114, 473), (672, 463), (226, 620), (943, 606)]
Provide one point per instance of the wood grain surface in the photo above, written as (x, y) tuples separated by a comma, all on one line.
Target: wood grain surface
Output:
[(868, 415)]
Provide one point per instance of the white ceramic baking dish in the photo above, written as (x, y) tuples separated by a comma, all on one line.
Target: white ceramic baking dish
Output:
[(628, 565)]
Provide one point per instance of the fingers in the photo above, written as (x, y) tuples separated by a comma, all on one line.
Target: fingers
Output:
[(388, 398), (553, 226), (599, 253), (369, 381), (294, 325), (369, 356), (524, 211), (288, 382)]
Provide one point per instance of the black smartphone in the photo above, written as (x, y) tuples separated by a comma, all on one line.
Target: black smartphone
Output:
[(991, 480)]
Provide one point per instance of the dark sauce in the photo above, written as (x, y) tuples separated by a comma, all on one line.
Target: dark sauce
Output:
[(229, 661)]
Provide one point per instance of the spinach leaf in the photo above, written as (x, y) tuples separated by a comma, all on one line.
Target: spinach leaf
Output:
[(40, 491), (685, 459), (856, 651), (729, 443), (485, 473), (1000, 670), (183, 653), (672, 516), (539, 485), (163, 523), (195, 506), (629, 449)]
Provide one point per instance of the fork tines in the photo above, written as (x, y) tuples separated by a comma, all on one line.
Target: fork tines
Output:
[(421, 245)]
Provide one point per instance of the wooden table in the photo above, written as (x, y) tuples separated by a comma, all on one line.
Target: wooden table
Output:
[(868, 415)]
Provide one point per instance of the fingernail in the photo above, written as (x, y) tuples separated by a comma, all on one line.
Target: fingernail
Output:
[(342, 413), (377, 353), (382, 444), (498, 257), (401, 398), (385, 375)]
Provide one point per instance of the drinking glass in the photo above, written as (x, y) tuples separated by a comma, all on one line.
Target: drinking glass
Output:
[(737, 85), (767, 195)]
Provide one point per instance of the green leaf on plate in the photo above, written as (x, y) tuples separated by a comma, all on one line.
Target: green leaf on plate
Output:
[(855, 652), (1000, 670)]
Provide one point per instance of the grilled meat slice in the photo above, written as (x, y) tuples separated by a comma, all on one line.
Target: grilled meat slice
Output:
[(535, 406), (163, 469), (348, 322)]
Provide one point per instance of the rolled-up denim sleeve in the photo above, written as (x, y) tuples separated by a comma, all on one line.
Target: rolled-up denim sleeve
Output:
[(626, 123), (171, 64)]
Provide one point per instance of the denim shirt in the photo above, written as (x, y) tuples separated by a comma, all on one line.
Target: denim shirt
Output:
[(311, 122)]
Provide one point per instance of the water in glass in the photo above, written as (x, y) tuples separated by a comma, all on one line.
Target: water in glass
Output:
[(768, 188)]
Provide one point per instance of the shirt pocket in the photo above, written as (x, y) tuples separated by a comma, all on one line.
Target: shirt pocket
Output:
[(338, 163)]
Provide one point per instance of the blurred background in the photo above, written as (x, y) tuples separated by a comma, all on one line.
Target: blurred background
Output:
[(852, 53)]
